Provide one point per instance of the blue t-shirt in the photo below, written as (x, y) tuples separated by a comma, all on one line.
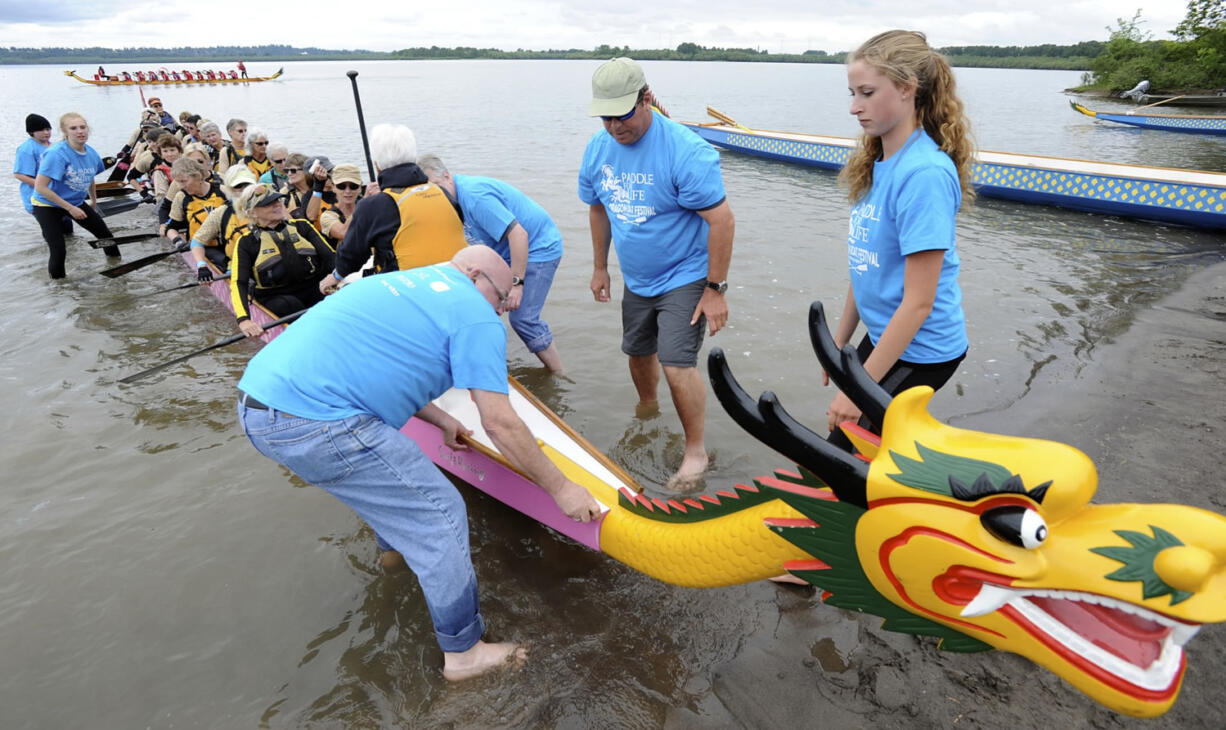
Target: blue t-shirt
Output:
[(651, 190), (29, 155), (385, 345), (71, 172), (910, 208), (490, 207)]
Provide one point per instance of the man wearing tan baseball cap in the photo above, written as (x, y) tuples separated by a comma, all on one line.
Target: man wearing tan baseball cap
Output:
[(654, 190)]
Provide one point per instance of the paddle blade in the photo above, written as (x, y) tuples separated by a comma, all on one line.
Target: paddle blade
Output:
[(120, 205), (130, 266), (120, 240)]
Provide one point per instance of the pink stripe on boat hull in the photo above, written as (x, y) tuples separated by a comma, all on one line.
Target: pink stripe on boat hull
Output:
[(501, 483)]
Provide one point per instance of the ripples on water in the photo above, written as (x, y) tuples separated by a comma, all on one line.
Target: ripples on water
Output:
[(157, 566)]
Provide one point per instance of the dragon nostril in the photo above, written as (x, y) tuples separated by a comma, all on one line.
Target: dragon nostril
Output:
[(1185, 567)]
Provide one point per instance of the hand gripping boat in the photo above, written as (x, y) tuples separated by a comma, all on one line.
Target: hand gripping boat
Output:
[(984, 541)]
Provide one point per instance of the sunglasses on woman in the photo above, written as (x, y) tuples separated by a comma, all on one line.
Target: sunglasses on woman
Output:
[(347, 186), (293, 169)]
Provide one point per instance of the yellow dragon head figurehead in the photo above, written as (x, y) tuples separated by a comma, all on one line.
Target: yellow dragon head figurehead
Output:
[(991, 541)]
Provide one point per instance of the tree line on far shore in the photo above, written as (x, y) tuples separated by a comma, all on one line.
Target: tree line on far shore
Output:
[(1195, 60)]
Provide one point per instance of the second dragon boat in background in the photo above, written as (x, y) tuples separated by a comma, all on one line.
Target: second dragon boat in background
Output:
[(1184, 197), (1164, 122)]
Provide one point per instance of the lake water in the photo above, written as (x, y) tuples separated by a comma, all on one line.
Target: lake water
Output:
[(155, 571)]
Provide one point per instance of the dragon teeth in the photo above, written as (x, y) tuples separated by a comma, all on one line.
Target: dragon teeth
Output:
[(990, 598)]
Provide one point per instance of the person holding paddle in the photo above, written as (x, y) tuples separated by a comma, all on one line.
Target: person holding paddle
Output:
[(65, 179), (327, 397)]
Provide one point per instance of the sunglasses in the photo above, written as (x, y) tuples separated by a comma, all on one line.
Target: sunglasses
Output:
[(623, 117), (502, 296), (240, 131), (260, 144), (292, 169), (347, 186), (279, 162)]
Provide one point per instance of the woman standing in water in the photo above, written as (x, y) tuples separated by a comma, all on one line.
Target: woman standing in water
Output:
[(65, 178), (907, 177)]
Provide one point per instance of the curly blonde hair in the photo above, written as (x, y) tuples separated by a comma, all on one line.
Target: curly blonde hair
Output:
[(904, 57)]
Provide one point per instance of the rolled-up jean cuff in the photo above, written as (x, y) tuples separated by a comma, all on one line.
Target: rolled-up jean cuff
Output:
[(465, 639)]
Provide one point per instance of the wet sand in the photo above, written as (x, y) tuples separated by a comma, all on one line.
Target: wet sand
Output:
[(809, 665)]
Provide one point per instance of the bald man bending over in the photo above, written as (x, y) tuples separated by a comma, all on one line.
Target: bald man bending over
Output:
[(327, 398)]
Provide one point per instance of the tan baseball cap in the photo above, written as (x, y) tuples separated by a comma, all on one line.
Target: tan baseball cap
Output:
[(615, 87)]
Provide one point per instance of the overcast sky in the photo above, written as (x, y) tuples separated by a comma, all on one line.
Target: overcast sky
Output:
[(779, 26)]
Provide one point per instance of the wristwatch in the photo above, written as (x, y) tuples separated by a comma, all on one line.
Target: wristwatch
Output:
[(516, 281), (719, 286)]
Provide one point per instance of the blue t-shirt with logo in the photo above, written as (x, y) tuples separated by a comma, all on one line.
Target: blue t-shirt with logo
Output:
[(490, 207), (385, 345), (651, 190), (29, 155), (909, 208), (71, 173)]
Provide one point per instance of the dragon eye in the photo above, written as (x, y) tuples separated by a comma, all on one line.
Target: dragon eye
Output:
[(1016, 525)]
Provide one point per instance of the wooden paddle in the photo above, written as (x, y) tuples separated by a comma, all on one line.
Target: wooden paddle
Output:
[(216, 345), (120, 240), (1156, 103), (712, 111)]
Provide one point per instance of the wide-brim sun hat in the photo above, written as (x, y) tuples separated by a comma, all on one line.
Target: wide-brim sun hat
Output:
[(615, 87)]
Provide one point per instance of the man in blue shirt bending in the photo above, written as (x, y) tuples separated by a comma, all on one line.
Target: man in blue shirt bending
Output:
[(655, 191), (499, 215), (327, 399)]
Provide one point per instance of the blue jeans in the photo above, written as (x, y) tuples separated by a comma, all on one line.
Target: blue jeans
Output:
[(384, 477), (526, 321)]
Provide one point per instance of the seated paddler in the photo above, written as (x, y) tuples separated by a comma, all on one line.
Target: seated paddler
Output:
[(278, 262)]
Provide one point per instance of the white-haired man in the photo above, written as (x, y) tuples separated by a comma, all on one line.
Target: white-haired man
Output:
[(409, 223)]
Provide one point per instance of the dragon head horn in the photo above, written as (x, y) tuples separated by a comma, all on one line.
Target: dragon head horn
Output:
[(768, 422), (846, 370)]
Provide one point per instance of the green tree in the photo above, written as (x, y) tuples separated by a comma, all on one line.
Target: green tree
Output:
[(688, 49), (1203, 16)]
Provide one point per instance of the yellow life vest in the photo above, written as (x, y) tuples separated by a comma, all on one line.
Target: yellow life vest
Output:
[(430, 231), (196, 207), (270, 269), (233, 228), (258, 168)]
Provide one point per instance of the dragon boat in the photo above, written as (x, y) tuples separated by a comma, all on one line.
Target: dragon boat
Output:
[(1217, 100), (983, 541), (1166, 195), (1165, 122), (133, 81)]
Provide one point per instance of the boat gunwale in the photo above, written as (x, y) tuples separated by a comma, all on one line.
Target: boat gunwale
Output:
[(1115, 169)]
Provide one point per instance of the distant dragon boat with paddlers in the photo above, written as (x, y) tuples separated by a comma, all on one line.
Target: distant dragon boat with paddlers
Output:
[(165, 77)]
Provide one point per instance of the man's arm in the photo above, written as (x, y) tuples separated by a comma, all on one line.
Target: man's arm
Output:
[(516, 443), (517, 241), (722, 226), (602, 236)]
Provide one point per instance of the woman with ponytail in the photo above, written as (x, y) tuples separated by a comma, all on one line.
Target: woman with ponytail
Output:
[(907, 177)]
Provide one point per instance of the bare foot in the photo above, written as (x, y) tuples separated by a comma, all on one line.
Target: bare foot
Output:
[(789, 578), (647, 409), (690, 475), (482, 658), (391, 560)]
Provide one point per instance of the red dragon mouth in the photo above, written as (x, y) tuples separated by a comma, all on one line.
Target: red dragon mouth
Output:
[(1129, 648)]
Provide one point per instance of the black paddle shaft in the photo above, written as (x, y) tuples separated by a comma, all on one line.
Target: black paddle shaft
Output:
[(357, 101), (216, 345)]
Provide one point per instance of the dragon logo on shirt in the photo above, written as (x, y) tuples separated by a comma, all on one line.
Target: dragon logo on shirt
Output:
[(624, 201)]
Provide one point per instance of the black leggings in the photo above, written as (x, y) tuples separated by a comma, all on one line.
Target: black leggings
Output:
[(51, 220), (293, 300), (902, 376)]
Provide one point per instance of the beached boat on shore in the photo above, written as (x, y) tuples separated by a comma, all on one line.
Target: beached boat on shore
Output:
[(1184, 197), (1165, 122), (169, 81), (1217, 100)]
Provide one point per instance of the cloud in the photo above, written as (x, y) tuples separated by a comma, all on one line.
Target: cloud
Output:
[(61, 12)]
